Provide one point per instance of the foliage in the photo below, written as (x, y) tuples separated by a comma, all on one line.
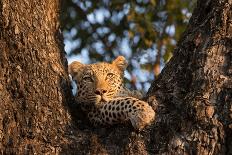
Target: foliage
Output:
[(144, 31)]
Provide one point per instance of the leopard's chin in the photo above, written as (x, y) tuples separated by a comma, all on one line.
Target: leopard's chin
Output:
[(101, 99)]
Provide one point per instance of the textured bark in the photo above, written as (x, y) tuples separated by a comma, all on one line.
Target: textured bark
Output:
[(192, 96), (33, 78), (195, 88)]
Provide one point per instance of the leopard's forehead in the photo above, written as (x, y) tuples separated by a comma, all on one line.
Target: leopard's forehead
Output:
[(100, 69)]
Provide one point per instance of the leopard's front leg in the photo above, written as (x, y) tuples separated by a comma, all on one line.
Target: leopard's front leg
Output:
[(123, 109), (95, 118)]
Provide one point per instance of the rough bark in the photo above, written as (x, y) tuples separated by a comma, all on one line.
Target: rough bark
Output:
[(194, 90), (34, 85)]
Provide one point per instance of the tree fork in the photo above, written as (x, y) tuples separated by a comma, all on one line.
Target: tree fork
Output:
[(193, 91)]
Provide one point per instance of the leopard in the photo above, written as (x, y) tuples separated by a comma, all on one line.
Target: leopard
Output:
[(104, 98)]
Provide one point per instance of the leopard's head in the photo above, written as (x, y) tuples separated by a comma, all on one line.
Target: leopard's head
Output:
[(100, 82)]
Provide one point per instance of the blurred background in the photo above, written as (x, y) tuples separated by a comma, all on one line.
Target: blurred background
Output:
[(143, 31)]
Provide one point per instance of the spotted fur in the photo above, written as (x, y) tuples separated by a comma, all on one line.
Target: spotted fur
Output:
[(100, 88)]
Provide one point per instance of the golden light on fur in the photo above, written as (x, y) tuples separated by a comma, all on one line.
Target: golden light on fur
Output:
[(101, 86)]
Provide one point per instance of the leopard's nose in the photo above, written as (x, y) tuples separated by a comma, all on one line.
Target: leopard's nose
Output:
[(100, 91)]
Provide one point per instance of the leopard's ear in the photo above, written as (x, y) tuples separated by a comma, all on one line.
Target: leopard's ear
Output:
[(121, 63), (74, 68)]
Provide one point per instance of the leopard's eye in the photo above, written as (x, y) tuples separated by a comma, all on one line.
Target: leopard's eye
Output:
[(87, 78), (109, 75)]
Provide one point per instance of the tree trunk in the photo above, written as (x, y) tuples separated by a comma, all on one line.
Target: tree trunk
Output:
[(34, 84), (195, 88), (192, 96)]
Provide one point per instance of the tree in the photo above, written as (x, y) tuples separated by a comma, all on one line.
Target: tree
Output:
[(192, 95), (194, 88), (34, 84)]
